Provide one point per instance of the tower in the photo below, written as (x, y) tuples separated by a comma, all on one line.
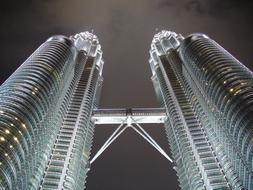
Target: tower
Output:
[(46, 106), (208, 95)]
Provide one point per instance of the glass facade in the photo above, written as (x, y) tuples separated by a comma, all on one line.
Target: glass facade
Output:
[(45, 109), (208, 95)]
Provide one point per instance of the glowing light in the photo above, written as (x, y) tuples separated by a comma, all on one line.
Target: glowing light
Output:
[(1, 111), (15, 138), (224, 82), (20, 132), (33, 93), (7, 131), (12, 124), (231, 90), (23, 125), (194, 98), (2, 138), (237, 92), (6, 154), (11, 146), (0, 163), (16, 118)]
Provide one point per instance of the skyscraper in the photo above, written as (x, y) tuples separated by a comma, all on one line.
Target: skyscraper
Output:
[(45, 110), (208, 97)]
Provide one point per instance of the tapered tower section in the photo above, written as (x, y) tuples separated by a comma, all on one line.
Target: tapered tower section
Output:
[(207, 94), (45, 110)]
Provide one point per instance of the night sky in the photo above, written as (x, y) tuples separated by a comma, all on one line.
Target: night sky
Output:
[(125, 29)]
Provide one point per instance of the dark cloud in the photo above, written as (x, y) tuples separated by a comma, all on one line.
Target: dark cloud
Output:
[(166, 4), (13, 6), (216, 7), (196, 6), (116, 23)]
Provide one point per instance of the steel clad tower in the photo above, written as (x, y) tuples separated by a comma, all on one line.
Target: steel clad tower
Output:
[(45, 110), (208, 97)]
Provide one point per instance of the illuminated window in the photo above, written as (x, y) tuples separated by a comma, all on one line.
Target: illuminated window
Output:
[(7, 131)]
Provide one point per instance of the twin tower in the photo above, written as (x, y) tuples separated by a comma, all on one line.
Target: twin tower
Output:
[(49, 108)]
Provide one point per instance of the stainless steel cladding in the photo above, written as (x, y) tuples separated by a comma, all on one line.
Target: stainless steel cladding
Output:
[(208, 97), (35, 105)]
